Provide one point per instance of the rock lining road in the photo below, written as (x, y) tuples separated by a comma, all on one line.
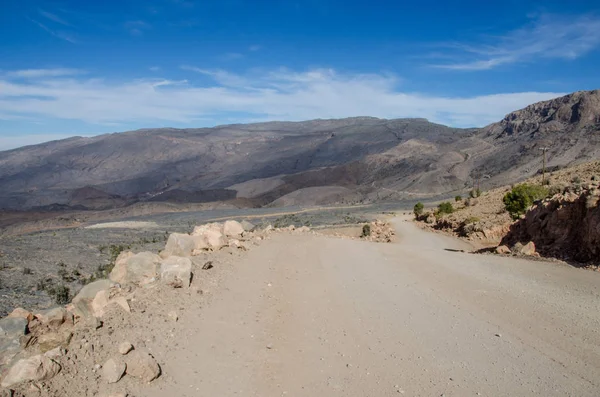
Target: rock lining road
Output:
[(308, 315)]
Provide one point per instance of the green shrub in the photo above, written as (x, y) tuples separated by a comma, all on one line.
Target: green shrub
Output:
[(472, 219), (458, 198), (475, 193), (521, 197), (366, 230), (445, 208), (418, 209), (62, 294)]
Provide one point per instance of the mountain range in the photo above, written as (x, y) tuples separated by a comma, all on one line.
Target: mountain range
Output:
[(352, 160)]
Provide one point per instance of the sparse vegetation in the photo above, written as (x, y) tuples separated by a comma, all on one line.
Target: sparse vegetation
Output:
[(472, 219), (62, 294), (290, 219), (458, 198), (576, 180), (418, 209), (366, 230), (475, 193), (445, 208), (521, 197), (27, 270)]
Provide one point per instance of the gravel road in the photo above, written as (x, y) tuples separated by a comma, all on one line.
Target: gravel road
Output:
[(307, 315)]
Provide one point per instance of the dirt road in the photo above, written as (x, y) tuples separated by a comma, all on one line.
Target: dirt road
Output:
[(314, 316)]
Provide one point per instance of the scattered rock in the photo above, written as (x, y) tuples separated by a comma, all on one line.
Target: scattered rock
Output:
[(528, 249), (233, 229), (176, 271), (52, 340), (36, 368), (20, 312), (103, 300), (502, 249), (55, 317), (173, 315), (248, 227), (13, 326), (138, 269), (208, 265), (113, 370), (179, 244), (142, 365), (125, 347), (83, 301), (55, 353)]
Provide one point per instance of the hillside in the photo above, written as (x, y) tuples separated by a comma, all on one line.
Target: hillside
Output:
[(362, 159)]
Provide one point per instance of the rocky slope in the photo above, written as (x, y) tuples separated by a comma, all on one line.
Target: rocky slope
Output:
[(256, 164)]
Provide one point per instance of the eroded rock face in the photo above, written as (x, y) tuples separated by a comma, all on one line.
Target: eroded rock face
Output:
[(36, 368), (138, 269), (566, 226)]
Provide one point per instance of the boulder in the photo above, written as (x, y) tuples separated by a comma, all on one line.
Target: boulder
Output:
[(179, 244), (113, 370), (20, 312), (176, 271), (51, 340), (503, 250), (125, 347), (303, 229), (142, 365), (103, 300), (528, 249), (248, 227), (138, 269), (55, 353), (13, 327), (82, 303), (55, 317), (233, 229), (209, 236), (36, 368)]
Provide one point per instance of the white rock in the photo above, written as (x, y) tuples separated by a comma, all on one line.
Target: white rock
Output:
[(125, 347), (176, 271), (179, 244), (138, 269), (82, 303), (113, 370), (36, 368), (142, 365), (233, 229)]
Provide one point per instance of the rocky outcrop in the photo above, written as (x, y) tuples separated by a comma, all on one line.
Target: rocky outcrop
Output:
[(233, 229), (179, 244), (566, 226)]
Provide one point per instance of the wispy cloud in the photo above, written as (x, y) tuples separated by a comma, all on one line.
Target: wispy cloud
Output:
[(547, 36), (232, 56), (137, 28), (280, 94), (254, 48), (42, 73), (56, 33), (53, 17), (154, 68)]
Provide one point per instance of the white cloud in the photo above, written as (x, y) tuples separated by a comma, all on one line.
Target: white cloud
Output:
[(39, 73), (154, 68), (56, 33), (137, 28), (548, 36), (254, 47), (280, 94), (53, 17)]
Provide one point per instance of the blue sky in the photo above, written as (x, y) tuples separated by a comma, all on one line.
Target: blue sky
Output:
[(90, 67)]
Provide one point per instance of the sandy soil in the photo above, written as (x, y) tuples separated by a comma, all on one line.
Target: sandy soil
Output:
[(305, 315)]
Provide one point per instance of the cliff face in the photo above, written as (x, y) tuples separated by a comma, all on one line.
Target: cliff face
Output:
[(577, 111), (567, 226)]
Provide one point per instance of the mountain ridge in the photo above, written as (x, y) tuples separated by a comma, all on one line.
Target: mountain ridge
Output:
[(376, 159)]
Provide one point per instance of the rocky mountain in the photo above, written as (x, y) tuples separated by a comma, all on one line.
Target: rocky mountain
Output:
[(349, 160)]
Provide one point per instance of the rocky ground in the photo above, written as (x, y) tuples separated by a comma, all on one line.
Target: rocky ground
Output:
[(34, 265), (107, 340)]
